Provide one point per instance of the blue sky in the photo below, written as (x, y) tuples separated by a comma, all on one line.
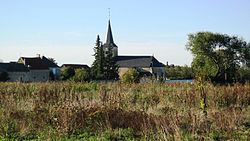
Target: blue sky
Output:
[(66, 29)]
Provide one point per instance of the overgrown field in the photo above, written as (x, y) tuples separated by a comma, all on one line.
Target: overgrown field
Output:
[(115, 111)]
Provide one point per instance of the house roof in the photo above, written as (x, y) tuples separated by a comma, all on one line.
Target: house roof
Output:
[(13, 67), (76, 66), (49, 63), (34, 63), (38, 63), (137, 61)]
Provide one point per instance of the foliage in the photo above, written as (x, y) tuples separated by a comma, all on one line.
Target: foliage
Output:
[(4, 76), (243, 74), (110, 67), (67, 73), (81, 75), (130, 76), (103, 67), (97, 69), (217, 57), (179, 72)]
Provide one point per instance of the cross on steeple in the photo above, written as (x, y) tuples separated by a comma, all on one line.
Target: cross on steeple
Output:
[(109, 13)]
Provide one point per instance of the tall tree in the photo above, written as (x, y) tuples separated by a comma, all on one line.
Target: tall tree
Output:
[(217, 56), (97, 69), (110, 68), (104, 66)]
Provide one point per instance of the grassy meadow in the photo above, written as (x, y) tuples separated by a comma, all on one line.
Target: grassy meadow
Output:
[(116, 111)]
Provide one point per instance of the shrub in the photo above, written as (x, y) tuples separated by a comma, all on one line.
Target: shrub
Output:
[(67, 73), (131, 76), (81, 75)]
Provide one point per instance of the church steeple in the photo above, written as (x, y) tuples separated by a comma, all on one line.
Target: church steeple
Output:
[(110, 41)]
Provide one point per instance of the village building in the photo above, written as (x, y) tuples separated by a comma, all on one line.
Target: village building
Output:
[(41, 69), (15, 71), (145, 65)]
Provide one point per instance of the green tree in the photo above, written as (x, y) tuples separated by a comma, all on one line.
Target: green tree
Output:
[(110, 67), (104, 66), (217, 57), (67, 73), (81, 75), (179, 72), (130, 76), (243, 74), (97, 69), (4, 76)]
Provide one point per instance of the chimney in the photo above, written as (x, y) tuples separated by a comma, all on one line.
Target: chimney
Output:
[(38, 55)]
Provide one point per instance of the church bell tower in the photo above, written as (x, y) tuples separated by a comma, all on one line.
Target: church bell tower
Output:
[(110, 42)]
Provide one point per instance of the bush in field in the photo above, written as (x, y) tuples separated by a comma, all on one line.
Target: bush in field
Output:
[(131, 76), (81, 75), (67, 73)]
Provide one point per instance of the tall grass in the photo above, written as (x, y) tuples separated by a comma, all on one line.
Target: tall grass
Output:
[(116, 111)]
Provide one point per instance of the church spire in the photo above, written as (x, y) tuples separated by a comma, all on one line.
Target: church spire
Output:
[(109, 39)]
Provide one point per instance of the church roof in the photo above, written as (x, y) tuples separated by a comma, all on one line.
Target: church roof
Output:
[(137, 61), (109, 39)]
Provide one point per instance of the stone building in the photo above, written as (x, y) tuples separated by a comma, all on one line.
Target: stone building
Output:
[(145, 65), (41, 69)]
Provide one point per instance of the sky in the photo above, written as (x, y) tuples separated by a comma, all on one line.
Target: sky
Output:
[(66, 30)]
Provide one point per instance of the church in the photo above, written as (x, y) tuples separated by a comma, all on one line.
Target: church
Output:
[(145, 65)]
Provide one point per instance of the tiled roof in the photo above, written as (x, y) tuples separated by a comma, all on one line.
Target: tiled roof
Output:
[(137, 61), (13, 67), (76, 66)]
